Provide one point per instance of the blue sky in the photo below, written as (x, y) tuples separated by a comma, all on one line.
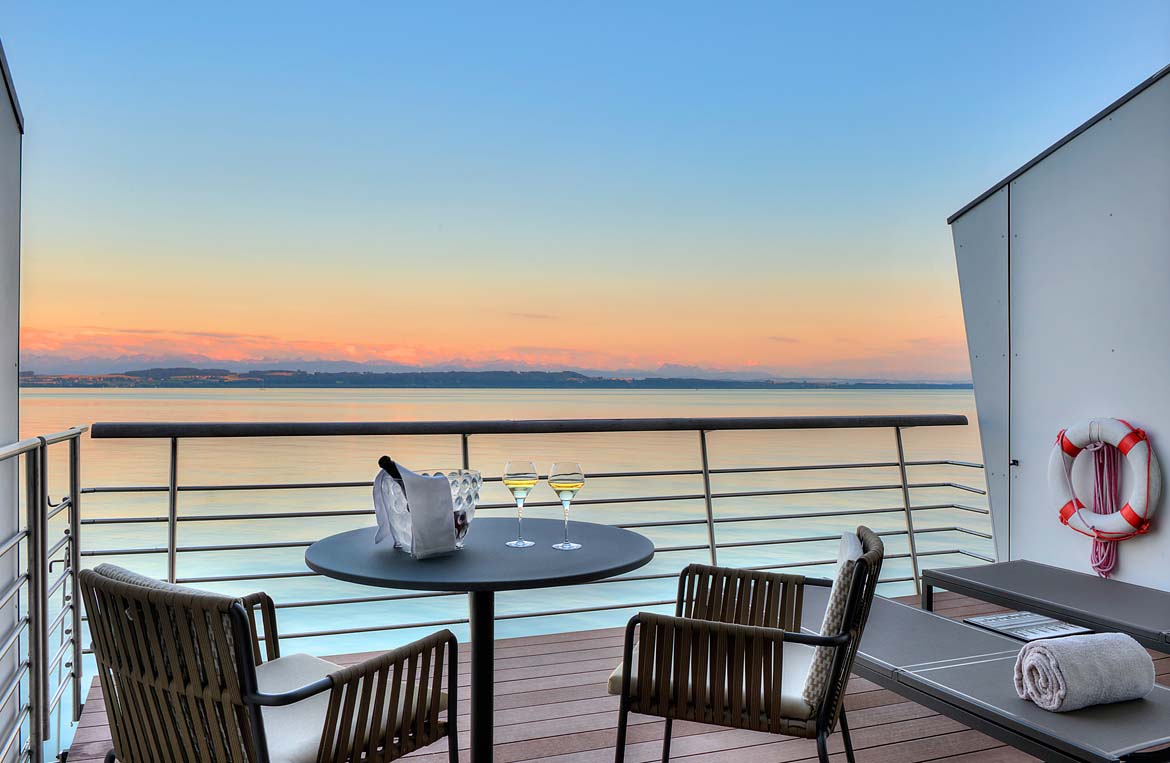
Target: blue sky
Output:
[(750, 185)]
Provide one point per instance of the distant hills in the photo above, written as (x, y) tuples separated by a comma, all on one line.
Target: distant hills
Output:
[(257, 379)]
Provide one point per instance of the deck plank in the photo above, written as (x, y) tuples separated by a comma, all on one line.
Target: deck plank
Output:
[(552, 706)]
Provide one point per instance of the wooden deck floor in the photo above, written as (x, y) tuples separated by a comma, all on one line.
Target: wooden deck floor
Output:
[(551, 705)]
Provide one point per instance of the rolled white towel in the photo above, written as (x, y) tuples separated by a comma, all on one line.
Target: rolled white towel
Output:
[(1063, 674)]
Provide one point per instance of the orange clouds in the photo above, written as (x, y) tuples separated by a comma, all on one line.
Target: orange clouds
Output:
[(780, 356), (213, 345)]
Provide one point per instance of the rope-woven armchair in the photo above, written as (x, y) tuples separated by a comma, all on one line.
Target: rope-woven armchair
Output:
[(185, 680), (734, 654)]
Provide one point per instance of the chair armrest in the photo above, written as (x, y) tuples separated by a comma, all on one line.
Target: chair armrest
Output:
[(743, 597), (268, 619), (708, 671), (291, 696), (392, 701)]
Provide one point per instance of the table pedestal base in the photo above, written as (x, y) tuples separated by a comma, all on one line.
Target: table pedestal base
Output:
[(482, 609)]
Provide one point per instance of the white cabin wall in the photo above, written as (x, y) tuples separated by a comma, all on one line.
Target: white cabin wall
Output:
[(9, 275), (981, 251), (1090, 291), (10, 147), (1088, 280)]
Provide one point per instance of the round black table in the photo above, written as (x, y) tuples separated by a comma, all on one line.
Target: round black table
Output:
[(485, 565)]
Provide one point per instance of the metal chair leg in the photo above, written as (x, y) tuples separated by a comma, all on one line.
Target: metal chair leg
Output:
[(666, 740), (822, 748), (452, 692), (619, 753), (848, 740)]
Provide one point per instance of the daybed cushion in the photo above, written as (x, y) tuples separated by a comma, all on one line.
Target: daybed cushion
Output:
[(797, 658), (294, 731)]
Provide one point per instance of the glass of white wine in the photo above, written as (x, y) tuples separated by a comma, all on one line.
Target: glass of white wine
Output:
[(520, 477), (566, 478)]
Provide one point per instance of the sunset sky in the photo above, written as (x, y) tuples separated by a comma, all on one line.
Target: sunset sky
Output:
[(732, 186)]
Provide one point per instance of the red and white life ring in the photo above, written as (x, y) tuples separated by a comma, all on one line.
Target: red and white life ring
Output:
[(1145, 487)]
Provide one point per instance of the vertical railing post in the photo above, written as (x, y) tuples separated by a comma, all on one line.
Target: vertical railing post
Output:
[(707, 497), (909, 510), (34, 475), (32, 489), (463, 441), (173, 513), (43, 568), (75, 569)]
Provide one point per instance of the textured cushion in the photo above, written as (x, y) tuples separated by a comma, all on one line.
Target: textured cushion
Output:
[(123, 575), (294, 731), (817, 683), (797, 658)]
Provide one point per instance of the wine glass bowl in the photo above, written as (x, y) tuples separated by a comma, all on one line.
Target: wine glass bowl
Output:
[(566, 479), (520, 478)]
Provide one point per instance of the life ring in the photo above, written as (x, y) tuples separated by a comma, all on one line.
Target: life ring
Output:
[(1134, 517)]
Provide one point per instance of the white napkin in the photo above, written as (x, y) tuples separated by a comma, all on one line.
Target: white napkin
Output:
[(432, 513)]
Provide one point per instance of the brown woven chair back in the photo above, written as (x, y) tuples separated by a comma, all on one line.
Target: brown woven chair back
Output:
[(167, 665), (740, 597), (861, 592)]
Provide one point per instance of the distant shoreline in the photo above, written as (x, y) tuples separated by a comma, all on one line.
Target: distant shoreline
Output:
[(197, 378)]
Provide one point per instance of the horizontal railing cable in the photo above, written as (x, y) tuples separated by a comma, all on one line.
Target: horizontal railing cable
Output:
[(272, 545), (592, 475)]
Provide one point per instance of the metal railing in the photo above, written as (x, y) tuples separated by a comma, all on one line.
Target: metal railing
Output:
[(45, 642), (32, 551), (176, 432)]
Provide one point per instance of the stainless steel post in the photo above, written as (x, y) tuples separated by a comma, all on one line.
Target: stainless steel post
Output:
[(909, 510), (75, 569), (43, 570), (42, 565), (173, 513), (463, 438), (36, 619), (707, 497)]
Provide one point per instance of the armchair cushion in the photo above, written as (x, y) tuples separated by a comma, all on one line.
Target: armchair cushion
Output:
[(797, 659), (817, 683), (294, 731)]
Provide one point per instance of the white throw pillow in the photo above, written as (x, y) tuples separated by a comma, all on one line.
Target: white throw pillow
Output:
[(817, 682)]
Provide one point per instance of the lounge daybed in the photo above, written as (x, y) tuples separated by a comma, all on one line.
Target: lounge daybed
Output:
[(1086, 600), (965, 673)]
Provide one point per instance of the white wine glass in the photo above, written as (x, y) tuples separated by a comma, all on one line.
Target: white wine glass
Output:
[(520, 477), (566, 478)]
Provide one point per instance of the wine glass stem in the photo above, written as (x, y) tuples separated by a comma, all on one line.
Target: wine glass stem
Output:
[(566, 505), (519, 519)]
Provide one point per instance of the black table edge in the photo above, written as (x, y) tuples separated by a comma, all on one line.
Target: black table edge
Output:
[(567, 580), (562, 581)]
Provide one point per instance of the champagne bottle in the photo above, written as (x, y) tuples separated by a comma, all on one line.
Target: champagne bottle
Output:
[(391, 468)]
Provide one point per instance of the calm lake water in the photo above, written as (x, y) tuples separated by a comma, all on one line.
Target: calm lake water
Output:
[(238, 461)]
